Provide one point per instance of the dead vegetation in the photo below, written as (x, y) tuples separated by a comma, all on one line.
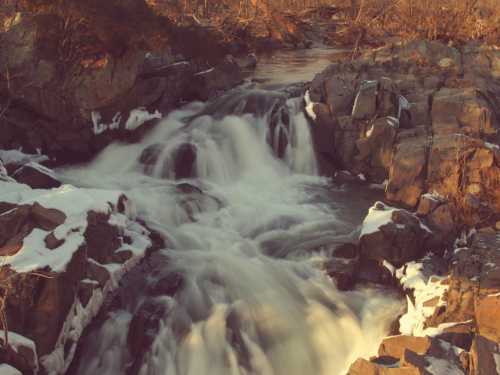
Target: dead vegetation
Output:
[(456, 21)]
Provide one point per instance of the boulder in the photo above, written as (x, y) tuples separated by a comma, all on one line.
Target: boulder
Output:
[(393, 235), (395, 346), (36, 176)]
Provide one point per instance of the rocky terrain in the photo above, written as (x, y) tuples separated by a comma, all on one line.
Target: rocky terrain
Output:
[(423, 120)]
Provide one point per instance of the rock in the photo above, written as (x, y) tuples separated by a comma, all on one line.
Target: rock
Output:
[(142, 331), (463, 111), (396, 236), (102, 238), (365, 367), (46, 218), (168, 285), (340, 91), (408, 169), (346, 251), (185, 161), (486, 310), (365, 103), (376, 149), (395, 346), (484, 354), (20, 356), (343, 271), (213, 81), (36, 176)]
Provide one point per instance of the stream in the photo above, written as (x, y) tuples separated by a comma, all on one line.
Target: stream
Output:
[(232, 186)]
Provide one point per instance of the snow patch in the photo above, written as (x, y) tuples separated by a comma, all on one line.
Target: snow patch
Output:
[(100, 127), (376, 218), (309, 105), (139, 116), (20, 158), (9, 370), (411, 277)]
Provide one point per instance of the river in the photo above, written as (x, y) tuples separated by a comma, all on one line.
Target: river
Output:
[(233, 188)]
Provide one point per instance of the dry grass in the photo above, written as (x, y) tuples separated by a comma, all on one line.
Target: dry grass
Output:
[(447, 20)]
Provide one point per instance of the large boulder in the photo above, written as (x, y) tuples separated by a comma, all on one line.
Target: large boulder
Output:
[(393, 235)]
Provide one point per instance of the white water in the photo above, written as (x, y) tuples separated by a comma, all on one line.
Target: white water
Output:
[(248, 312)]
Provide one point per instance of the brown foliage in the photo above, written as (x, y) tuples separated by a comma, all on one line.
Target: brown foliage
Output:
[(445, 20)]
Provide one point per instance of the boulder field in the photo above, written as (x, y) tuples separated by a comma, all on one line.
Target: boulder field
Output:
[(423, 120)]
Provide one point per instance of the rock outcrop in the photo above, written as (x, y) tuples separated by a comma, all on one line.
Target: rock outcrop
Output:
[(58, 264), (69, 88), (421, 116)]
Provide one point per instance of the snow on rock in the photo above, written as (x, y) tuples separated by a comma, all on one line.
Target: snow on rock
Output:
[(19, 158), (140, 116), (378, 215), (425, 288), (76, 204), (309, 106), (100, 127)]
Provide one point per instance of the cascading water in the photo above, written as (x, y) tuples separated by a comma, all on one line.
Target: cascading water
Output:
[(239, 290)]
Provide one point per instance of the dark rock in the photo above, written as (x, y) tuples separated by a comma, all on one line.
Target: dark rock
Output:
[(102, 238), (36, 176), (365, 104)]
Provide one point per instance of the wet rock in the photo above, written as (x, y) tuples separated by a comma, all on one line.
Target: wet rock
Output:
[(36, 176), (169, 285), (343, 271), (143, 329), (184, 161), (21, 357)]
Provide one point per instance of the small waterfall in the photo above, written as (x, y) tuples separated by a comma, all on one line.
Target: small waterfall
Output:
[(233, 186)]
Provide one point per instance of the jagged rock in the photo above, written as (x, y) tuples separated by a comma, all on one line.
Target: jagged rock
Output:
[(408, 169), (462, 111), (395, 346), (394, 235), (36, 176), (365, 367)]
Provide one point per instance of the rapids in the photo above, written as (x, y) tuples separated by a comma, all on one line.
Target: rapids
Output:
[(233, 188)]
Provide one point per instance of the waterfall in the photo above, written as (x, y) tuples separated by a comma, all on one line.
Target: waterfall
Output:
[(233, 187)]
